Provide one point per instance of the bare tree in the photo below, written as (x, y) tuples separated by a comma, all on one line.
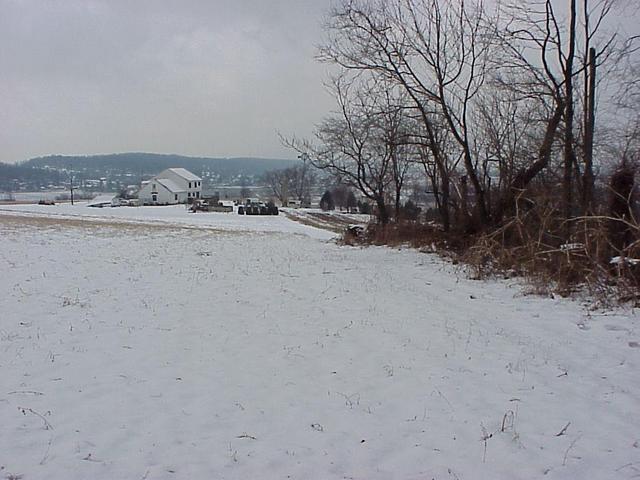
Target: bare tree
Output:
[(397, 134), (530, 44), (481, 102), (509, 128), (439, 160), (302, 179), (279, 181), (436, 50), (350, 146), (340, 193), (569, 152), (290, 182), (564, 58)]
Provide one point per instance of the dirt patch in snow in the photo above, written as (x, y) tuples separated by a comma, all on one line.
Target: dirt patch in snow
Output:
[(49, 222), (325, 221)]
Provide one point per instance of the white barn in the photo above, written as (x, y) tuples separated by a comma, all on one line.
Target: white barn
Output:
[(171, 186)]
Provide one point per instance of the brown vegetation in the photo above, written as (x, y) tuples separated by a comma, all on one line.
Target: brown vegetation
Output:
[(602, 258)]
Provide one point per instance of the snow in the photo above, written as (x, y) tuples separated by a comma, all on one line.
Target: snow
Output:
[(184, 173), (569, 247), (170, 215), (101, 201), (140, 348), (623, 260)]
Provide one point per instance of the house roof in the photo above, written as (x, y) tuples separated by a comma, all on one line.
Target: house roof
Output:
[(186, 174), (170, 185)]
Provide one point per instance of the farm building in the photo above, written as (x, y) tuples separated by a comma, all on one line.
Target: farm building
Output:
[(104, 201), (171, 186)]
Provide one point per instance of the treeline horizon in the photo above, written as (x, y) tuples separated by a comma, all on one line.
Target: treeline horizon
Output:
[(57, 169)]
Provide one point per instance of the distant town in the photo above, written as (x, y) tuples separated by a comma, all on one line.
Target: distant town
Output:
[(55, 176)]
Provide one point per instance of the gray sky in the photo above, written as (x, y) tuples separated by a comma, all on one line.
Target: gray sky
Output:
[(194, 77)]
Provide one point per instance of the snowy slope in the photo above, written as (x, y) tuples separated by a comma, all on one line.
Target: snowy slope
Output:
[(162, 353)]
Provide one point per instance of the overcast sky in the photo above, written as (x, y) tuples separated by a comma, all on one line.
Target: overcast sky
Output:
[(195, 77)]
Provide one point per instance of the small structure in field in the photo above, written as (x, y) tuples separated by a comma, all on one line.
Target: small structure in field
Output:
[(210, 205), (102, 201), (294, 203), (170, 187)]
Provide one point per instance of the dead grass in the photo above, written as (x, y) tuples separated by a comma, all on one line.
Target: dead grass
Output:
[(531, 246), (97, 225), (319, 220)]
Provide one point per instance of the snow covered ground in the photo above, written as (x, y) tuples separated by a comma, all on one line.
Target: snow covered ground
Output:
[(146, 350), (177, 215)]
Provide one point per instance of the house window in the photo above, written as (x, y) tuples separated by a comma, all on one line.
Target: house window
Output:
[(154, 197), (176, 197), (189, 184), (197, 194)]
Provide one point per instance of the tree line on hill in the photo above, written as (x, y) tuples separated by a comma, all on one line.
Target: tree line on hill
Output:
[(122, 169), (12, 177), (153, 163)]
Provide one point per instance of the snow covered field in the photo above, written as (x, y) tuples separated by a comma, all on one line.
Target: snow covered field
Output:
[(176, 215), (146, 349)]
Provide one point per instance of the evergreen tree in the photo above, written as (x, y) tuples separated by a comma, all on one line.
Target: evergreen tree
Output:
[(326, 202)]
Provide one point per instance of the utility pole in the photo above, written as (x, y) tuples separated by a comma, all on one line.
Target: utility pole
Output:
[(71, 181), (304, 190)]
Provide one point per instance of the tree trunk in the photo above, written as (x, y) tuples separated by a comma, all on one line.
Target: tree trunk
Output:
[(589, 128), (383, 212), (481, 201), (569, 153), (621, 188), (464, 204), (444, 206)]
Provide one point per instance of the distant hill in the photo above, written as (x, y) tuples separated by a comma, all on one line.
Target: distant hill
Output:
[(129, 168), (12, 176), (152, 163)]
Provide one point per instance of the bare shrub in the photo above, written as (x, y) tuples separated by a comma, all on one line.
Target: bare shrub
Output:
[(531, 245)]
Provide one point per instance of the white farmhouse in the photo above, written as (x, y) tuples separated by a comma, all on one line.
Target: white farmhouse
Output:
[(171, 186)]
